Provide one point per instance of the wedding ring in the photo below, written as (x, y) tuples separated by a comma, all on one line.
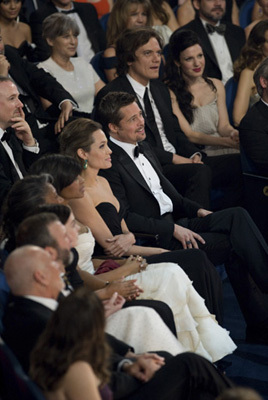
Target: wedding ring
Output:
[(188, 242)]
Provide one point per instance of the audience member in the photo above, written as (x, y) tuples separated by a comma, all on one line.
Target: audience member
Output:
[(71, 360), (18, 147), (199, 104), (139, 58), (221, 42), (132, 376), (164, 20), (179, 220), (33, 83), (255, 50), (125, 15), (102, 6), (186, 12), (15, 33), (73, 73), (262, 17), (91, 38), (163, 275), (253, 129)]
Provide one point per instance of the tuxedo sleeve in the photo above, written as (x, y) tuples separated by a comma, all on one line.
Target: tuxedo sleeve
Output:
[(5, 185), (42, 48)]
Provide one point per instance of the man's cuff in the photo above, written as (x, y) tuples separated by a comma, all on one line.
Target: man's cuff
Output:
[(197, 154), (75, 106), (33, 149), (122, 363)]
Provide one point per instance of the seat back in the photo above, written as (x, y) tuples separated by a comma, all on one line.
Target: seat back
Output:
[(230, 90), (14, 383), (104, 20), (96, 62)]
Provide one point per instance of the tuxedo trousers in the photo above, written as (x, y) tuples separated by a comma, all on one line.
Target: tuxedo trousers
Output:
[(186, 376), (233, 238)]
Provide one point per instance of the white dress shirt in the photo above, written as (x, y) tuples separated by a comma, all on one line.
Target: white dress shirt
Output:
[(49, 303), (150, 176), (222, 53)]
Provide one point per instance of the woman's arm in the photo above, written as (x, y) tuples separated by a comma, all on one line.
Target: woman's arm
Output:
[(172, 22), (242, 98), (80, 382), (185, 13), (194, 136), (98, 86), (235, 14)]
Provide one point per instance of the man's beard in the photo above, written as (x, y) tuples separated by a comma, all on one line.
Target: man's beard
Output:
[(64, 256), (211, 18)]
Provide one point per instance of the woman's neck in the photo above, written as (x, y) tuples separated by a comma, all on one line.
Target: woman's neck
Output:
[(193, 80), (63, 62), (8, 23), (91, 176)]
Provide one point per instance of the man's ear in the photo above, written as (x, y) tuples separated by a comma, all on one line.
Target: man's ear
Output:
[(263, 82), (81, 153), (52, 252), (112, 128), (196, 4), (40, 277)]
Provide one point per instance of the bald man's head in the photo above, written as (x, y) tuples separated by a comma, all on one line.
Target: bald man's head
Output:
[(30, 270)]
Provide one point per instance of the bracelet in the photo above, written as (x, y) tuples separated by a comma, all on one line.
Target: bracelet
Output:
[(107, 283)]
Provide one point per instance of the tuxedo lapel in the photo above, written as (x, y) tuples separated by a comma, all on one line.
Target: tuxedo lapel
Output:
[(130, 167), (203, 35), (263, 108), (17, 153)]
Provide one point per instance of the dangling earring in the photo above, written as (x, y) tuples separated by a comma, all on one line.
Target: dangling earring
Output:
[(85, 164)]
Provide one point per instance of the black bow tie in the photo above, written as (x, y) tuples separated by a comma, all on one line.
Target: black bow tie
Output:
[(219, 29), (68, 11), (137, 151), (6, 136)]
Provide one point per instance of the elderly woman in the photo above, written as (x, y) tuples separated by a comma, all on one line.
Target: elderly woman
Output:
[(74, 73)]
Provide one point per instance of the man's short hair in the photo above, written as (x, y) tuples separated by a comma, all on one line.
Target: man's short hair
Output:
[(109, 110), (34, 230), (129, 42), (5, 79), (262, 70)]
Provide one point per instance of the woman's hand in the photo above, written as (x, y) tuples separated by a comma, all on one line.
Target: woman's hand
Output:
[(127, 289), (114, 304), (119, 244)]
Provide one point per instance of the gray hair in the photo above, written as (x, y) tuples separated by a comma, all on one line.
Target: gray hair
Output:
[(262, 70), (58, 24)]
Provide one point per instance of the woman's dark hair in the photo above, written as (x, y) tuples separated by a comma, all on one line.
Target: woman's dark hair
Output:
[(24, 196), (179, 41), (74, 333), (76, 135), (63, 169), (252, 53)]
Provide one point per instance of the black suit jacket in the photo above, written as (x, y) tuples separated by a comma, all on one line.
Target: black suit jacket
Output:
[(141, 209), (172, 129), (253, 133), (8, 173), (89, 18), (235, 39)]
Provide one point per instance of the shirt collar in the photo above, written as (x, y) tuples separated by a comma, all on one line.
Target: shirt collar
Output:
[(128, 147), (49, 303), (64, 9), (206, 22), (138, 87), (264, 101)]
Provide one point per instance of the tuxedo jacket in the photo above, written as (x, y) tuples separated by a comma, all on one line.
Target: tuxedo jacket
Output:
[(141, 209), (253, 134), (172, 128), (235, 39), (89, 18), (35, 82), (8, 173)]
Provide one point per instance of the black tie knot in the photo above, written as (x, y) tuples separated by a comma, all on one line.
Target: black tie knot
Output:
[(68, 11), (6, 136), (137, 151), (219, 28)]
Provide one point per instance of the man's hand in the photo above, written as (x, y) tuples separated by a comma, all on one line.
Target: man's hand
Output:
[(114, 304), (187, 237), (22, 129), (120, 244), (66, 112), (144, 367), (4, 65), (196, 159), (176, 159), (203, 213), (127, 289)]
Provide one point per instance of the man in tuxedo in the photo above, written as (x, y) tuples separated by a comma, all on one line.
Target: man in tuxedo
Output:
[(253, 129), (35, 283), (221, 43), (91, 39), (33, 83), (139, 56), (18, 148), (152, 205)]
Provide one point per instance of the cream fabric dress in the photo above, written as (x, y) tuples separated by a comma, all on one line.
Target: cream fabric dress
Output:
[(197, 329), (206, 120)]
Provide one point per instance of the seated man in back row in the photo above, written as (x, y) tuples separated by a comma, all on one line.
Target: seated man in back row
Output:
[(152, 205)]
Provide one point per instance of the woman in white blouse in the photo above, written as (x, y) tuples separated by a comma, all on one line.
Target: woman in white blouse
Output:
[(76, 75)]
